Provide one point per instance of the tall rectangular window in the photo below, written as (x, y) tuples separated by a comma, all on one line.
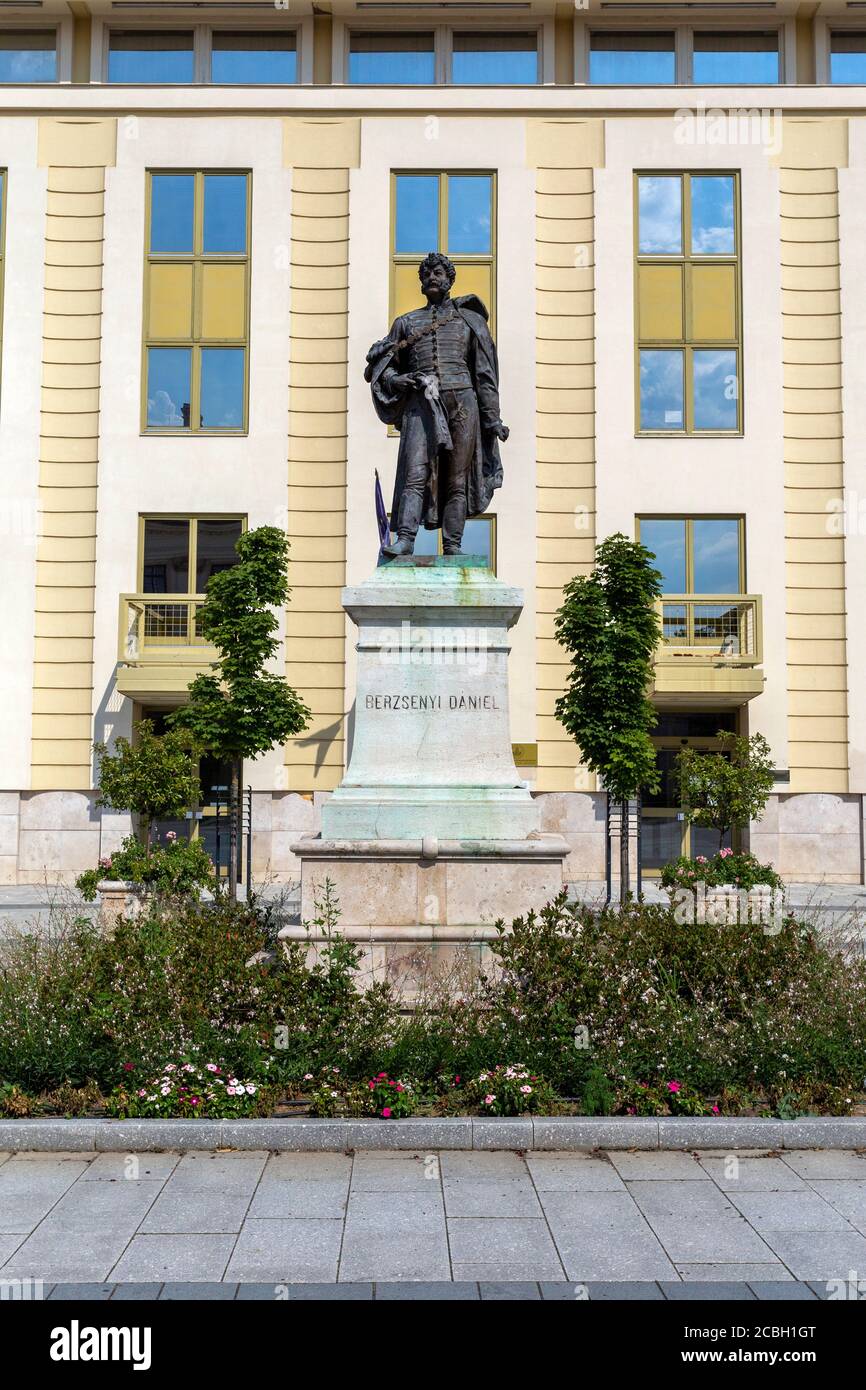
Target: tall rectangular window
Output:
[(2, 250), (28, 55), (449, 212), (505, 59), (687, 303), (404, 59), (151, 56), (197, 302), (178, 555), (848, 56), (640, 59), (719, 58), (253, 58)]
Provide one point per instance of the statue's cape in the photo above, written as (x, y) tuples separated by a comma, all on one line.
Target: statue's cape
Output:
[(486, 474)]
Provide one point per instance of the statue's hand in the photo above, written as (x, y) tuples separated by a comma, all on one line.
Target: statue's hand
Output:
[(404, 383), (501, 431)]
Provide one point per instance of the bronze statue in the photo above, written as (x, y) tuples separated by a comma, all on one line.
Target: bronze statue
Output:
[(436, 378)]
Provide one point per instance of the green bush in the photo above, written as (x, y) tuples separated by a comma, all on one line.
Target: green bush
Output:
[(727, 866), (178, 868), (629, 1011)]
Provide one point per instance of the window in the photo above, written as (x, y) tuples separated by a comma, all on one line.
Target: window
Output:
[(175, 550), (500, 58), (643, 59), (452, 213), (253, 58), (151, 56), (479, 538), (736, 58), (404, 58), (687, 304), (197, 301), (696, 554), (28, 55), (848, 56)]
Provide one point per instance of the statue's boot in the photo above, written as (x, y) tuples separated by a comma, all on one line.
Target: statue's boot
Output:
[(408, 521)]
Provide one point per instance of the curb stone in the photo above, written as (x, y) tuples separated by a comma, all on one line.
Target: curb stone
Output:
[(556, 1132)]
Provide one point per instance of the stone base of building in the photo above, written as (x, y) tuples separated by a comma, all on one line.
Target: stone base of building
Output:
[(49, 837)]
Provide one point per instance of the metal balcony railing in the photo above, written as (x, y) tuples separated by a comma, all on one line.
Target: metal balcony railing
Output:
[(162, 627), (714, 628)]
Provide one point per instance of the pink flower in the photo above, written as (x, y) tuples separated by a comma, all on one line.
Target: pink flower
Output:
[(526, 1090), (673, 1087), (386, 1113), (715, 1110), (212, 1066), (193, 1100), (171, 835), (128, 1066), (701, 858), (488, 1100), (381, 1075), (724, 853), (372, 1085)]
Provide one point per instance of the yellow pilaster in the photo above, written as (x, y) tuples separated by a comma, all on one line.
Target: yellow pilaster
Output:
[(320, 154), (76, 154), (564, 154), (811, 153)]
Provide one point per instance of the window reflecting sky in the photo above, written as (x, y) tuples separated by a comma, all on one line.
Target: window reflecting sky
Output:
[(715, 388), (151, 58), (506, 59), (666, 538), (251, 68), (848, 57), (28, 57), (713, 226), (168, 374), (417, 212), (632, 59), (469, 214), (395, 59), (172, 200), (660, 217), (222, 388), (735, 58), (661, 389), (225, 212), (716, 555)]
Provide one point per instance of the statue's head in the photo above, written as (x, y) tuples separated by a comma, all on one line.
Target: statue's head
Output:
[(437, 275)]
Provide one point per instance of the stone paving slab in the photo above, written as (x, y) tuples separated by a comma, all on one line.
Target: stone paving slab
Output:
[(293, 1220)]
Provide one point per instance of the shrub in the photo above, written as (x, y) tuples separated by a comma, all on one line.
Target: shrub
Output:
[(742, 870), (178, 868)]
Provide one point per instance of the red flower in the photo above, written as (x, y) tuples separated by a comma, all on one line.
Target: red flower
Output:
[(386, 1113), (128, 1066)]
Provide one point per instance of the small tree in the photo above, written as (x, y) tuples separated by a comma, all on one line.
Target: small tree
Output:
[(156, 776), (243, 710), (725, 790), (608, 625)]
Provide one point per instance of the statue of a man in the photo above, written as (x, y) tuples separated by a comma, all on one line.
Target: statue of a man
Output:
[(436, 378)]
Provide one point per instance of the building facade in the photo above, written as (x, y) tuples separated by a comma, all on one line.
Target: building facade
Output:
[(208, 214)]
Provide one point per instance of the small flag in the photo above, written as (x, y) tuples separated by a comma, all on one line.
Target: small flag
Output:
[(382, 521)]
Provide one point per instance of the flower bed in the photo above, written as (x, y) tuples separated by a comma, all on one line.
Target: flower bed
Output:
[(631, 1012)]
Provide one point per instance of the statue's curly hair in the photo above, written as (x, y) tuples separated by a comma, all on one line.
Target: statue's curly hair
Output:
[(436, 258)]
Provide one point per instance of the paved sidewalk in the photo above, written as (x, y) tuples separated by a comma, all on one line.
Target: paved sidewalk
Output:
[(474, 1218)]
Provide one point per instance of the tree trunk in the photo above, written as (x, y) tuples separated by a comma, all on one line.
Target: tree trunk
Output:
[(234, 815), (623, 854)]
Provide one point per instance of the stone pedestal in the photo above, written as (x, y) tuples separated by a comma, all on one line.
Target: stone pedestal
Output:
[(432, 835)]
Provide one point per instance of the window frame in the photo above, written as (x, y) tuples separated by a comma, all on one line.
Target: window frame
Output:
[(202, 46), (825, 28), (687, 345), (61, 28), (689, 518), (197, 258), (490, 258), (684, 43), (192, 519), (443, 48)]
